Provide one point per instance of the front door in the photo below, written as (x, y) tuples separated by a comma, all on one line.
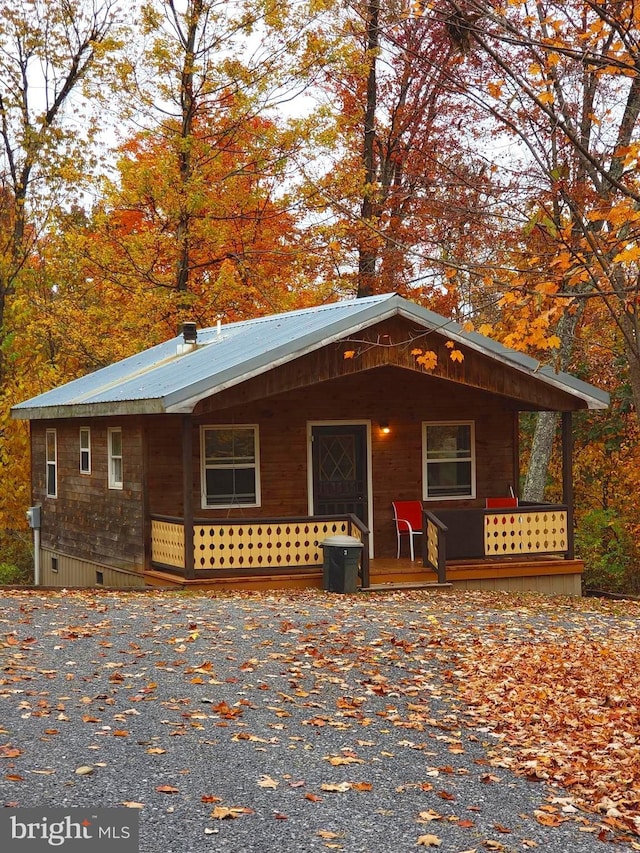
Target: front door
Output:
[(339, 454)]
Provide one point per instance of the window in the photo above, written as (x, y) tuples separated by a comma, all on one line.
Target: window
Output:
[(230, 466), (52, 463), (449, 463), (85, 450), (114, 439)]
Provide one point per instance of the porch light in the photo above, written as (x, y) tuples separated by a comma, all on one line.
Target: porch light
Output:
[(385, 429)]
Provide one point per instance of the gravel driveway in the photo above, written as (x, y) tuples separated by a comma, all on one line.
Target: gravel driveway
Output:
[(279, 722)]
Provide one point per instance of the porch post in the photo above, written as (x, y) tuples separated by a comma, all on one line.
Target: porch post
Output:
[(567, 479), (187, 495)]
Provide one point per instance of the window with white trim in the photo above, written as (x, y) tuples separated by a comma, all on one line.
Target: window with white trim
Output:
[(52, 463), (448, 460), (230, 466), (114, 442), (85, 450)]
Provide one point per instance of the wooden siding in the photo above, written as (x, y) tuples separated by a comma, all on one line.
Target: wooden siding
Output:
[(88, 520), (390, 343), (402, 398), (543, 584)]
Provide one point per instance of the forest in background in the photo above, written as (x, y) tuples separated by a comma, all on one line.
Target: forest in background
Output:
[(200, 160)]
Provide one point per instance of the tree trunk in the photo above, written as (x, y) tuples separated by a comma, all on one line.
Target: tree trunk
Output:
[(629, 326), (367, 256), (193, 17), (547, 422), (541, 449)]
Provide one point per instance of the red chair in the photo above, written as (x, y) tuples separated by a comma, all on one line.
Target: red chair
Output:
[(408, 518), (500, 503)]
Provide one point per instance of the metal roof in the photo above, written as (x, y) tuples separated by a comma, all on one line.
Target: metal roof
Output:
[(160, 380)]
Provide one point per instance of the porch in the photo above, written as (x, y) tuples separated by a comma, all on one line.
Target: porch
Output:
[(529, 547)]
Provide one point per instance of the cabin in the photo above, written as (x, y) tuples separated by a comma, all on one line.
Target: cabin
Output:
[(223, 458)]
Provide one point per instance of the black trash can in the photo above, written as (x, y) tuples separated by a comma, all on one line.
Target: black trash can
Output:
[(340, 563)]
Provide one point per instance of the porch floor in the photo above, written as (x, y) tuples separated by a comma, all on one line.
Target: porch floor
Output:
[(547, 574)]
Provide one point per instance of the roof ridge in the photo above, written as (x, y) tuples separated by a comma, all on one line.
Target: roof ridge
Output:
[(356, 302)]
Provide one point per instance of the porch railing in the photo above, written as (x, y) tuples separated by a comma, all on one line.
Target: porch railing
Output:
[(435, 545), (525, 530), (252, 545), (539, 530)]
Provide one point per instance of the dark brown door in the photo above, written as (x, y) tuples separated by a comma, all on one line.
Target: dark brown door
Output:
[(340, 470)]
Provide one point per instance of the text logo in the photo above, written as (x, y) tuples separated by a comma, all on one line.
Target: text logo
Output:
[(69, 830)]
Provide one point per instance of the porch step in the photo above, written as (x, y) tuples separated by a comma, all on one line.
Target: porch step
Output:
[(390, 587), (299, 580)]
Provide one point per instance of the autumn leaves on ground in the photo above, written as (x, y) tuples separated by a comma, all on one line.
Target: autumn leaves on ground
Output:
[(324, 717)]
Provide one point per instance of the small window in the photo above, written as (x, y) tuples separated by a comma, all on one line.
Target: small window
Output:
[(52, 463), (230, 466), (85, 450), (449, 461), (114, 437)]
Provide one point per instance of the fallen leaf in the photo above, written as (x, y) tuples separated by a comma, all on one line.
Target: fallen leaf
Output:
[(224, 812), (338, 760), (84, 770), (166, 789), (548, 819), (268, 782), (428, 816), (429, 841)]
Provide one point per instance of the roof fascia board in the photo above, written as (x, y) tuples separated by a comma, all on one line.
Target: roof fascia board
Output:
[(90, 410), (543, 372)]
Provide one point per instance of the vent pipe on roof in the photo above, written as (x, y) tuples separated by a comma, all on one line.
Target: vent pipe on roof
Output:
[(189, 334)]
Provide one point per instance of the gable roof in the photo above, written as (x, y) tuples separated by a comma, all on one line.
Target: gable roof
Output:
[(160, 380)]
